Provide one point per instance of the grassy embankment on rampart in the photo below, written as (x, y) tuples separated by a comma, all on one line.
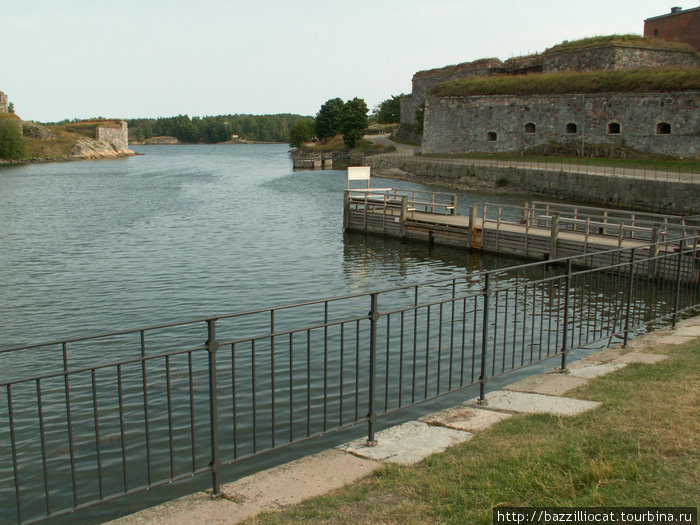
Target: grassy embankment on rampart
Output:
[(620, 81)]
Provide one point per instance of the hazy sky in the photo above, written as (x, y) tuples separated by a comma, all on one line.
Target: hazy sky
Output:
[(150, 58)]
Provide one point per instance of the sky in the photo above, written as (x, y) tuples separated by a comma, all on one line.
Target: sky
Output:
[(65, 59)]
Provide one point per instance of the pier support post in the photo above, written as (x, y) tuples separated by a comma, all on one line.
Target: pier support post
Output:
[(554, 239), (472, 226), (404, 213), (654, 251)]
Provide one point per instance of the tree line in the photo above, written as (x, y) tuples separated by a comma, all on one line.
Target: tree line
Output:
[(214, 129)]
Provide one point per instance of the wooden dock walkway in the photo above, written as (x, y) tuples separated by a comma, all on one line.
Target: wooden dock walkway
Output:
[(537, 230)]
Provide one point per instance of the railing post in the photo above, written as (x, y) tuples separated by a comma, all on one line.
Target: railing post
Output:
[(471, 232), (484, 342), (679, 274), (371, 415), (346, 210), (212, 346), (554, 236), (654, 250), (630, 289), (565, 336)]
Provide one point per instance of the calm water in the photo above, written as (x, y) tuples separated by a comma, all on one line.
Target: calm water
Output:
[(179, 233), (183, 232)]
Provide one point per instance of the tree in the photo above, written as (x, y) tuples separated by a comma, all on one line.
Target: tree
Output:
[(328, 119), (11, 107), (353, 121), (301, 132), (389, 111), (11, 140)]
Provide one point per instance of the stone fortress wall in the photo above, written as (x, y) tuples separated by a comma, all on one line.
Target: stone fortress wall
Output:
[(3, 102), (657, 123), (602, 58), (117, 136)]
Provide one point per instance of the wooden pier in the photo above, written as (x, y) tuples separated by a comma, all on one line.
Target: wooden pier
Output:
[(537, 230)]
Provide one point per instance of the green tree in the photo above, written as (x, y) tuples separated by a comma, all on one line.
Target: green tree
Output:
[(354, 121), (11, 107), (329, 117), (11, 141), (389, 111), (301, 132)]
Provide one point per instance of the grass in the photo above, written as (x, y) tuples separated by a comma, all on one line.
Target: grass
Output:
[(619, 40), (620, 81), (640, 448), (64, 139)]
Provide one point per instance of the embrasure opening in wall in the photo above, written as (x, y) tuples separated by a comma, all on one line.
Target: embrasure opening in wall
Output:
[(663, 128)]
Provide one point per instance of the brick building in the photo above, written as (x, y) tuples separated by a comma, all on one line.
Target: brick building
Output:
[(676, 26)]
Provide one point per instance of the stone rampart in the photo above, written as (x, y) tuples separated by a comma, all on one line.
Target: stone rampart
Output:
[(654, 123), (599, 58), (616, 57), (117, 137), (3, 102)]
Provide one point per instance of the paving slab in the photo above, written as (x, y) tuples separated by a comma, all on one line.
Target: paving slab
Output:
[(528, 403), (408, 443), (687, 330), (269, 490), (552, 384), (464, 418), (195, 509), (641, 357), (588, 369)]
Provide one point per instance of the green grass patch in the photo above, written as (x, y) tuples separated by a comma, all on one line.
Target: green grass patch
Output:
[(619, 40), (621, 81), (639, 448)]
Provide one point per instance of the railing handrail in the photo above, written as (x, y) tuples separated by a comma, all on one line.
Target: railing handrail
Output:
[(86, 403), (689, 241)]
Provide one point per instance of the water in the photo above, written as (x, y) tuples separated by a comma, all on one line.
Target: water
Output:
[(184, 232), (181, 232)]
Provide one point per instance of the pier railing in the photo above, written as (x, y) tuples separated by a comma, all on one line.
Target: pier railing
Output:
[(92, 419), (588, 221)]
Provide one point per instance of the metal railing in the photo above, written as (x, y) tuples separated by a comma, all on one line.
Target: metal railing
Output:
[(412, 200), (92, 419), (589, 221), (648, 170)]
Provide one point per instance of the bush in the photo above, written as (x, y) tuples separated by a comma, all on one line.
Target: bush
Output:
[(11, 141)]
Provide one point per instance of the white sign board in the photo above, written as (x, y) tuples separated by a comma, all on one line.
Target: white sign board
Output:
[(358, 173)]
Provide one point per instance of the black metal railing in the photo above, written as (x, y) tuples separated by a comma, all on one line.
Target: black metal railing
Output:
[(92, 419)]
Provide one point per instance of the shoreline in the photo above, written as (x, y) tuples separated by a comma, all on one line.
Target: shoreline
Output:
[(46, 160)]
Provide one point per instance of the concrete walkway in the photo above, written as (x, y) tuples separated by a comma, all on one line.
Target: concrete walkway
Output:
[(404, 150), (410, 442)]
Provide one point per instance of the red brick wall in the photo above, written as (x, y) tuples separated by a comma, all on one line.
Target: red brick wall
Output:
[(683, 26)]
